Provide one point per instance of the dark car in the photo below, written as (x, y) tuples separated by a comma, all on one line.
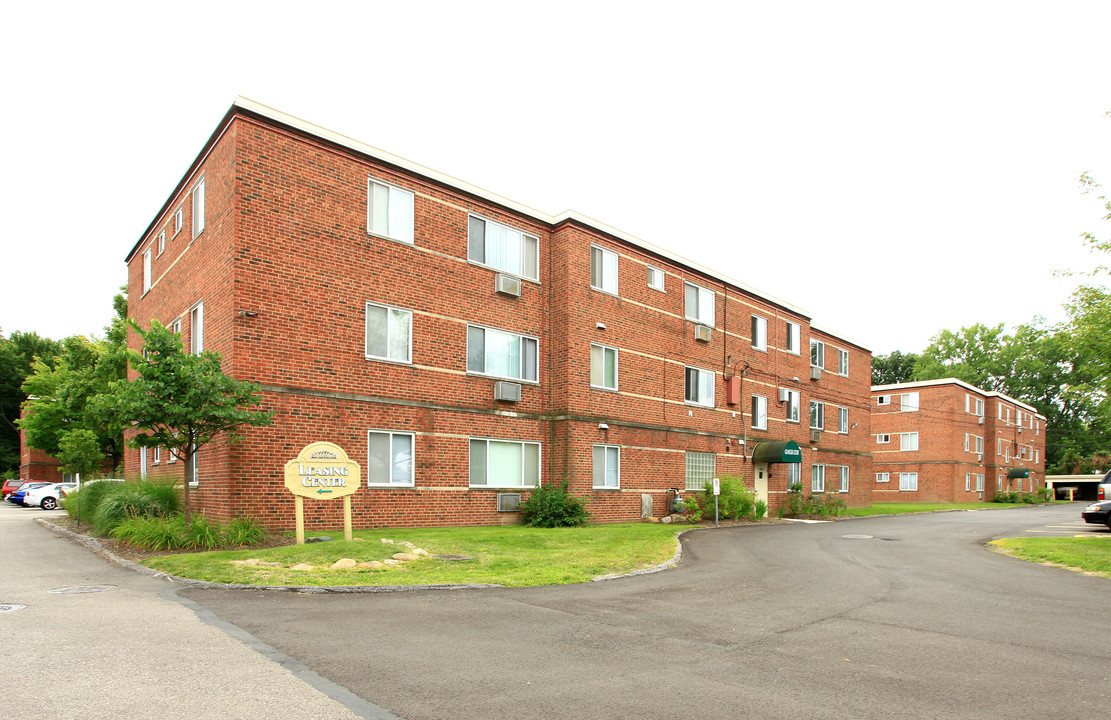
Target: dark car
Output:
[(1098, 513), (10, 486), (16, 498)]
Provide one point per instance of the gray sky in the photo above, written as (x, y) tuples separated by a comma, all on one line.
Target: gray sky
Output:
[(891, 168)]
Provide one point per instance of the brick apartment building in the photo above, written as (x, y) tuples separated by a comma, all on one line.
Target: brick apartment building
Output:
[(36, 465), (947, 441), (463, 348)]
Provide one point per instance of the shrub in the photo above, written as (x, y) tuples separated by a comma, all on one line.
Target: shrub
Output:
[(822, 504), (759, 509), (735, 501), (244, 531), (134, 499), (692, 507), (88, 498), (552, 506), (155, 533), (172, 532)]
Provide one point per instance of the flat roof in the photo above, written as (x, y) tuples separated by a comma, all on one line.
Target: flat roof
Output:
[(961, 383)]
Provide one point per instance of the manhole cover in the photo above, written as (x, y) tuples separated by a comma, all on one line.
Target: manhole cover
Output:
[(78, 589), (857, 537), (453, 557), (10, 607)]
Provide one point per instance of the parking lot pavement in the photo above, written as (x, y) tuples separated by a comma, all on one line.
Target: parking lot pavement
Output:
[(82, 637)]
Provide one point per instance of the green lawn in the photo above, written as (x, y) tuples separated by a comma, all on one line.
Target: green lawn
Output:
[(1090, 554), (512, 556), (900, 508)]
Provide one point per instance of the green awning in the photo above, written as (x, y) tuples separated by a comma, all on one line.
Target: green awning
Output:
[(1018, 473), (777, 451)]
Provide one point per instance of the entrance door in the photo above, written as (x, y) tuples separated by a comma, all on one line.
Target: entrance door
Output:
[(762, 482)]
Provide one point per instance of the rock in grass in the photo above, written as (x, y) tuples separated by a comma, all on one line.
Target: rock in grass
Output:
[(387, 541), (372, 565), (301, 566), (391, 561), (270, 564), (405, 557), (322, 538), (343, 564)]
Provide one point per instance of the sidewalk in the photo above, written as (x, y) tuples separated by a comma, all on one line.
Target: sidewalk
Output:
[(95, 640)]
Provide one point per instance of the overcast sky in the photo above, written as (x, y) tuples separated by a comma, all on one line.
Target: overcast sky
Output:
[(891, 168)]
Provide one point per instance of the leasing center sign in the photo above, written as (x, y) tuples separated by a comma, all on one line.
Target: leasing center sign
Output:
[(322, 471)]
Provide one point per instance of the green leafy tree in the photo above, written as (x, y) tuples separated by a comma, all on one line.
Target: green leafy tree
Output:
[(17, 354), (80, 452), (181, 401), (893, 368), (971, 354)]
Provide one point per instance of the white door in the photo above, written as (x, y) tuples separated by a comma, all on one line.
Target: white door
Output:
[(762, 482)]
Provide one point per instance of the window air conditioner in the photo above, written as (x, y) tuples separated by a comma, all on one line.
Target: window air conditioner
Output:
[(815, 435), (979, 458), (815, 373), (980, 421), (509, 502), (702, 332), (507, 285), (783, 394), (507, 391)]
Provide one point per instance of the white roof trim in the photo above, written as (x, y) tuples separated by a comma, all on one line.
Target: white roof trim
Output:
[(881, 389)]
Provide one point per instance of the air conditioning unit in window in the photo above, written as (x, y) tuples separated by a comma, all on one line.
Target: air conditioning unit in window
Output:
[(980, 420), (703, 333), (507, 285), (784, 394), (815, 435), (979, 458), (509, 502), (815, 373), (507, 391)]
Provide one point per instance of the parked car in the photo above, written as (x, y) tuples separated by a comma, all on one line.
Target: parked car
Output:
[(1104, 492), (16, 498), (47, 496), (10, 486), (1098, 513)]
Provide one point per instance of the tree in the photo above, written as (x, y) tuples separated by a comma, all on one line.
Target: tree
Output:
[(893, 368), (971, 354), (182, 401), (17, 353)]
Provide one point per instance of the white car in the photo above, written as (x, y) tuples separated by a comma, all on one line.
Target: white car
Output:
[(47, 496)]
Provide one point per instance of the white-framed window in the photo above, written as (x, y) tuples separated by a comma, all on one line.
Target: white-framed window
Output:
[(171, 456), (908, 481), (883, 477), (607, 467), (389, 458), (175, 327), (161, 242), (157, 455), (844, 478), (501, 354), (883, 400), (142, 463), (759, 333), (968, 482), (883, 438), (389, 211), (979, 444), (793, 338), (198, 209), (700, 470), (842, 361), (908, 441), (195, 464), (979, 482), (389, 333), (794, 475), (842, 420), (818, 354), (504, 463), (179, 221), (699, 386), (196, 329), (818, 478), (603, 270), (817, 415), (656, 279), (967, 442), (603, 367), (503, 248), (908, 402), (999, 483), (979, 408), (793, 400), (759, 412), (146, 270), (699, 304)]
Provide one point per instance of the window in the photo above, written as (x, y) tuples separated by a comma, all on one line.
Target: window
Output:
[(172, 456), (501, 354), (759, 413), (389, 211), (501, 463), (701, 468), (655, 278), (908, 481), (699, 387), (198, 209), (980, 408), (793, 400), (883, 399), (179, 221), (389, 458), (699, 304), (883, 477), (196, 329), (842, 361), (968, 482), (143, 463), (844, 477), (979, 444), (817, 415), (908, 402), (603, 367), (792, 338), (176, 326), (908, 441), (966, 442), (194, 465), (389, 333), (842, 420), (157, 455), (603, 270), (146, 271), (818, 478), (794, 475), (883, 438), (607, 466), (161, 242), (979, 482), (759, 333), (818, 354), (503, 248)]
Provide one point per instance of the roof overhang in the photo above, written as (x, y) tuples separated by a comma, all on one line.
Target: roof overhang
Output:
[(777, 451)]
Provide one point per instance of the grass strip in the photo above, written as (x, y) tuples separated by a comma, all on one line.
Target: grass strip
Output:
[(1089, 554), (896, 508)]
